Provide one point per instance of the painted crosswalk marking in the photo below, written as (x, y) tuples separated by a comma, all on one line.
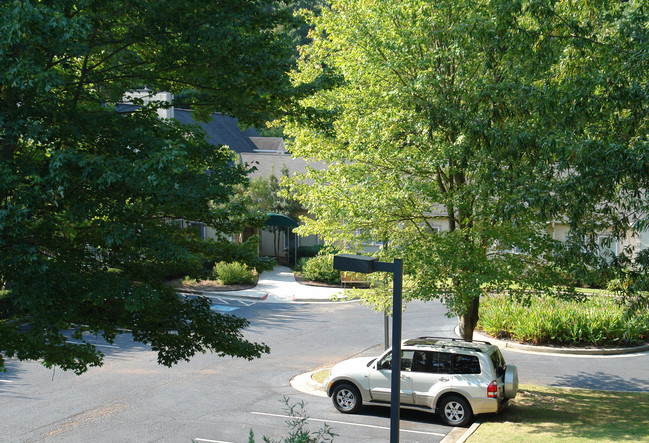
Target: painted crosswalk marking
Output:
[(222, 308)]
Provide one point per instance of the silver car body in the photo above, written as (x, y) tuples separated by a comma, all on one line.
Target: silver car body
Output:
[(423, 390)]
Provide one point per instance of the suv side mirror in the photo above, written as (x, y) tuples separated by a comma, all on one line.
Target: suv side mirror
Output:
[(385, 363)]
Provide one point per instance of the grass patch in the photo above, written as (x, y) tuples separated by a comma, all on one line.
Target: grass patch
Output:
[(542, 414), (320, 375)]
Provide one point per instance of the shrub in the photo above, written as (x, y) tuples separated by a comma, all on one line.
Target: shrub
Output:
[(309, 251), (321, 269), (298, 431), (597, 320), (234, 273), (299, 266), (144, 271), (216, 251)]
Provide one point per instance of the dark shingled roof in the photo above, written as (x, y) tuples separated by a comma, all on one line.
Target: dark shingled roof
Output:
[(222, 130), (268, 154)]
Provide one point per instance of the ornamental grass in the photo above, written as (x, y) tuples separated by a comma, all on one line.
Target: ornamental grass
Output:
[(595, 320)]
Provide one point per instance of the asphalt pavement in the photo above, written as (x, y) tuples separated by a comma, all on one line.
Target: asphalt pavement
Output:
[(216, 398), (280, 286)]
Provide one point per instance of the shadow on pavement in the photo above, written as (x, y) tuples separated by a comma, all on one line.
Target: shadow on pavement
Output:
[(10, 380), (405, 415), (602, 381), (287, 315)]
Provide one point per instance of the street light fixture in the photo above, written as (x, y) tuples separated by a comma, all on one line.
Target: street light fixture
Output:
[(367, 265)]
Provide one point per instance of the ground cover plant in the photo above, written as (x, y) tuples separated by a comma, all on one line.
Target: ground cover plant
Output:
[(542, 414), (596, 320)]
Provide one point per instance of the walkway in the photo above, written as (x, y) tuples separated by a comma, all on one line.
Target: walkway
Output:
[(279, 286)]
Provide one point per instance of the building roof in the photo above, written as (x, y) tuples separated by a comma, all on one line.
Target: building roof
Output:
[(267, 154), (222, 130)]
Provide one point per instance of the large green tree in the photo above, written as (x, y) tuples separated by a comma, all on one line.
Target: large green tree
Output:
[(456, 130), (88, 193)]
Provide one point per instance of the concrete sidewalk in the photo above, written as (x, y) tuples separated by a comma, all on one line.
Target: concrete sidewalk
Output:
[(278, 286)]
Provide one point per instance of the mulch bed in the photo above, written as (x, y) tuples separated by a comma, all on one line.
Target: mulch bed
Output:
[(209, 286)]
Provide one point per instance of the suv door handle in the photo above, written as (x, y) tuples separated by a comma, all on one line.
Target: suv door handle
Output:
[(405, 377)]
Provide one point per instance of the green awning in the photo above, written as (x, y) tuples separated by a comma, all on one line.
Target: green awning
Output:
[(280, 220)]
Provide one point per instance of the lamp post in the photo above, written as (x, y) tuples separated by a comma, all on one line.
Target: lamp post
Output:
[(367, 265)]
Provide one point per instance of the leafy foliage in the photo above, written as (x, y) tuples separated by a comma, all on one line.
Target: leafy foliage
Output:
[(271, 194), (593, 321), (456, 131), (246, 252), (321, 269), (299, 432), (234, 273), (85, 188)]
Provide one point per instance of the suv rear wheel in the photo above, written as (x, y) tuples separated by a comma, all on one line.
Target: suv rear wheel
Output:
[(455, 411), (346, 398)]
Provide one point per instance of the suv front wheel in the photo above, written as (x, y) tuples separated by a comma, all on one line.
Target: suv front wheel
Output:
[(346, 398), (455, 411)]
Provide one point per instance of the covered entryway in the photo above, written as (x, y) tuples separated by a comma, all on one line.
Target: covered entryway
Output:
[(278, 239)]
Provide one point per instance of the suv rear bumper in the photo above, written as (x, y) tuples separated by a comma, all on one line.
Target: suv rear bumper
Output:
[(488, 405)]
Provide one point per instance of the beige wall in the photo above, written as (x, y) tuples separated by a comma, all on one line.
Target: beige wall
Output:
[(639, 241)]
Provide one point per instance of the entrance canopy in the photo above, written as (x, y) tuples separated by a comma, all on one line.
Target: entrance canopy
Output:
[(280, 220)]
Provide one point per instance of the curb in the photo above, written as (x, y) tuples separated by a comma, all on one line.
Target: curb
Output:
[(306, 384), (460, 435), (214, 294), (556, 350)]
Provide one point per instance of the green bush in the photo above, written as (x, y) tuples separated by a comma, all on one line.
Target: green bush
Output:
[(216, 251), (234, 273), (321, 269), (301, 262), (597, 320), (309, 251), (152, 270)]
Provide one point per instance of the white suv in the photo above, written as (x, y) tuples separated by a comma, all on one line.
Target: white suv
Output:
[(456, 378)]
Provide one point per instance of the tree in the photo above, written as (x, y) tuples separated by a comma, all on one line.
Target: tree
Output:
[(456, 130), (88, 194), (271, 194)]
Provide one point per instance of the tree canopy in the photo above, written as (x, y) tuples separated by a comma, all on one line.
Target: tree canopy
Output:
[(457, 130), (89, 192)]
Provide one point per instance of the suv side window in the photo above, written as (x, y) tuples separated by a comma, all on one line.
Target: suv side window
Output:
[(406, 361), (445, 360), (466, 364), (498, 362), (432, 362)]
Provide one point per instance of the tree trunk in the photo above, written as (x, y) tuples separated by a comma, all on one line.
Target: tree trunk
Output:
[(469, 320)]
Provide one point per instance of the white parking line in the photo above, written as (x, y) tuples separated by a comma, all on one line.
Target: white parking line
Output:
[(436, 434), (221, 308), (239, 301), (6, 381), (211, 441)]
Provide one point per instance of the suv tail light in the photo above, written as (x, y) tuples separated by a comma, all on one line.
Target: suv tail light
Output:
[(492, 389)]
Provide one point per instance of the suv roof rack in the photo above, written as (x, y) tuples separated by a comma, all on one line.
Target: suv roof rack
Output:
[(434, 340)]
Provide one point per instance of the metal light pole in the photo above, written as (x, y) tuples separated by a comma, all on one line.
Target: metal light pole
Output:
[(367, 265)]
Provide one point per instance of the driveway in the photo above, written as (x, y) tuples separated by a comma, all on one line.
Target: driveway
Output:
[(209, 399)]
